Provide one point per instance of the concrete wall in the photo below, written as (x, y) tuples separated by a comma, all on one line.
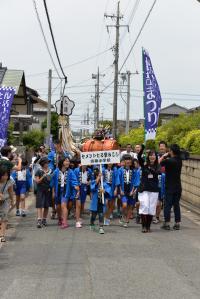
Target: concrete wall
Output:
[(191, 181)]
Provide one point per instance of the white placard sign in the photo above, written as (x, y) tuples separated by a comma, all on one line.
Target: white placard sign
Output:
[(101, 157)]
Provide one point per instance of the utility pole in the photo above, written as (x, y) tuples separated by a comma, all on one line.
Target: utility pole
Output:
[(88, 120), (127, 77), (49, 106), (97, 96), (118, 17), (128, 101)]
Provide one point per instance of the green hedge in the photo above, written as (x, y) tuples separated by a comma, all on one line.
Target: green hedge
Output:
[(184, 130)]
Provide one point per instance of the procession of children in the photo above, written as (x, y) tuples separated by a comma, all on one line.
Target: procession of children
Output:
[(131, 189)]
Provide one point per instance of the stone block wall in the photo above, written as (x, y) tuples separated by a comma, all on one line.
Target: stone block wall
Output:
[(191, 181)]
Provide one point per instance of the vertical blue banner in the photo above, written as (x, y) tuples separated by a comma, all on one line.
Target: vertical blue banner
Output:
[(152, 98), (6, 99)]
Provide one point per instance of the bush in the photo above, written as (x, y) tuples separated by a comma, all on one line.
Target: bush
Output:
[(33, 139), (183, 130), (135, 136), (175, 130), (192, 141)]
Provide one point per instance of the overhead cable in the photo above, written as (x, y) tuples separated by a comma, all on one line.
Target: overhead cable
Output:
[(45, 39), (75, 63), (146, 19), (53, 39)]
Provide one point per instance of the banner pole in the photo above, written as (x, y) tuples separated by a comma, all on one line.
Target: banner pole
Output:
[(143, 63), (101, 171)]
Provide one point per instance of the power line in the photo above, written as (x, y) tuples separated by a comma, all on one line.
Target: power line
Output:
[(75, 63), (45, 39), (89, 58), (132, 15), (172, 93), (146, 19), (135, 8), (53, 39)]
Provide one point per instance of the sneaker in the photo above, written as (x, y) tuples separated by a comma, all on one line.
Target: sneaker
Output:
[(23, 214), (106, 222), (44, 222), (64, 225), (125, 224), (78, 224), (121, 221), (60, 222), (138, 220), (3, 239), (92, 227), (53, 215), (18, 213), (101, 231), (118, 214), (165, 226), (156, 221), (176, 226), (39, 223)]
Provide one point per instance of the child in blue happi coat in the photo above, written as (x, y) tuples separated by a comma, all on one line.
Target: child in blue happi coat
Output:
[(120, 167), (97, 205), (127, 178), (23, 183), (84, 176), (137, 174), (111, 178), (56, 154), (64, 182)]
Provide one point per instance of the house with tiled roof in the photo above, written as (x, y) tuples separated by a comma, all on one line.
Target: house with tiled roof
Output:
[(170, 112), (24, 99)]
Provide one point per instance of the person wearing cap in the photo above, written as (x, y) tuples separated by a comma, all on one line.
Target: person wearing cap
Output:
[(43, 179)]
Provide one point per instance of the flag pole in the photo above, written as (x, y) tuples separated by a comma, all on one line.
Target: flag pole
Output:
[(143, 68)]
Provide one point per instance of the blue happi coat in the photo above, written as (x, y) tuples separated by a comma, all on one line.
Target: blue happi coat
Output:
[(52, 158), (83, 187), (114, 179), (70, 183), (28, 178), (121, 172), (137, 177), (162, 185), (78, 173), (94, 193)]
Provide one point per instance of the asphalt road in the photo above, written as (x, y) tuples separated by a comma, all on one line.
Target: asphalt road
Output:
[(78, 263)]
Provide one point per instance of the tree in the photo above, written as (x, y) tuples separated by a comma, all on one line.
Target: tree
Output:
[(135, 136), (34, 139), (105, 123), (54, 125), (11, 137)]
